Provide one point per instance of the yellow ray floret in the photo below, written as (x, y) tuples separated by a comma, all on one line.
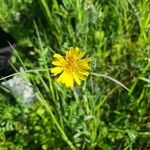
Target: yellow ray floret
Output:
[(71, 68)]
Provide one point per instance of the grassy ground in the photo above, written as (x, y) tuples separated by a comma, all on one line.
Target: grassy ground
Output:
[(111, 109)]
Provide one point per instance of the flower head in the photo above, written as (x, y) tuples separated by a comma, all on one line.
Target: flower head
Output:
[(71, 68)]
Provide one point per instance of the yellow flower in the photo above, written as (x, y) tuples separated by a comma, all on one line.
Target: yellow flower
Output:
[(72, 67)]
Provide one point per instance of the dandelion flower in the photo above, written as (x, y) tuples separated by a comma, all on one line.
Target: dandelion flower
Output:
[(71, 68)]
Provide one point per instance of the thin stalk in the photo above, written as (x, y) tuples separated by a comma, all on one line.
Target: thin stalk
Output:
[(112, 79), (44, 58), (26, 71), (46, 11)]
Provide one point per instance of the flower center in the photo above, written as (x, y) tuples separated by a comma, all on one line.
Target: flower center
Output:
[(69, 65)]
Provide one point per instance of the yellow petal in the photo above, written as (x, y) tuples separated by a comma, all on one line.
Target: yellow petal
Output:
[(69, 53), (71, 49), (85, 67), (77, 49), (78, 54), (80, 75), (59, 80), (68, 80), (58, 56), (56, 70), (86, 73), (85, 60), (81, 54), (75, 76), (57, 63)]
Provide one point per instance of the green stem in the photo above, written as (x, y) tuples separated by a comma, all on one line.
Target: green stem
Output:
[(110, 78), (46, 11)]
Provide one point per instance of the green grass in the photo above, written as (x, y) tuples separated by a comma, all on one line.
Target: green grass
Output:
[(111, 109)]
